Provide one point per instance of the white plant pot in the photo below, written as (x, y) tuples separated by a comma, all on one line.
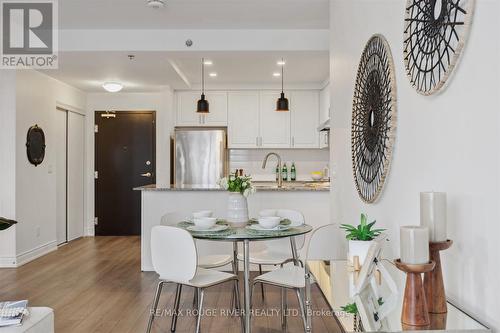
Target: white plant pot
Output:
[(358, 248), (237, 209)]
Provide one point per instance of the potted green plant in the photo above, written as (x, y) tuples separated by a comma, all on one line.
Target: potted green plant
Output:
[(6, 223), (360, 238), (239, 187)]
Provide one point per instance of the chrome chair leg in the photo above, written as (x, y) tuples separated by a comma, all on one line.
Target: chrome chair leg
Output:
[(156, 299), (177, 302), (261, 285), (283, 308), (195, 298), (201, 293), (302, 309), (237, 299)]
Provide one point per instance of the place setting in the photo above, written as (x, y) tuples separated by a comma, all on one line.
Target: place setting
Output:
[(204, 222)]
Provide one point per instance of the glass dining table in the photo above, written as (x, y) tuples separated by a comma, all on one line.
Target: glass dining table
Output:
[(246, 234)]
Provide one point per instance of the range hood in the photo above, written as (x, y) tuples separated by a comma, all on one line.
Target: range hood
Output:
[(324, 126)]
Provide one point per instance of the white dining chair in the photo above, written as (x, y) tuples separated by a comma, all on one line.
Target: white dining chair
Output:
[(297, 277), (277, 251), (175, 260), (207, 261)]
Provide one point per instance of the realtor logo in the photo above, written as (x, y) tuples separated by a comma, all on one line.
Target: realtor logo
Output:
[(29, 34)]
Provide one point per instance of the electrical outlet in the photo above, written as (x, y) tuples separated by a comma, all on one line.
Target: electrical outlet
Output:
[(37, 231)]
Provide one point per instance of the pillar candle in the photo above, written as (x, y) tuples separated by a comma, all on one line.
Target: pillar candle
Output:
[(433, 214), (414, 245)]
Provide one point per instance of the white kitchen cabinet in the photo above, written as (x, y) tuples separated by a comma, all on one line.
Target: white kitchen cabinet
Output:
[(186, 109), (304, 112), (243, 119), (324, 104), (274, 125)]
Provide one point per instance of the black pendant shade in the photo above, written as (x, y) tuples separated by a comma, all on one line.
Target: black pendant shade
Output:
[(202, 105), (282, 103)]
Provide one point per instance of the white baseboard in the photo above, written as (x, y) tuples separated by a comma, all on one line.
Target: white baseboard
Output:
[(8, 262), (37, 252)]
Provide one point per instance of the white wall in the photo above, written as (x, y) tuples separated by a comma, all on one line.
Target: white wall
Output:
[(37, 96), (7, 164), (446, 142), (161, 102)]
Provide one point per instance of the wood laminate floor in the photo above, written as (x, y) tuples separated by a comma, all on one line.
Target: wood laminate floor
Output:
[(95, 285)]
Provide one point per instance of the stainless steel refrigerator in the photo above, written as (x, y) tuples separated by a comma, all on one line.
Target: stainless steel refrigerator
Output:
[(200, 156)]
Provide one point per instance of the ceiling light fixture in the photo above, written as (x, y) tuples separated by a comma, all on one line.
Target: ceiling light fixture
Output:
[(282, 102), (156, 4), (208, 62), (276, 74), (213, 74), (281, 62), (202, 105), (112, 87)]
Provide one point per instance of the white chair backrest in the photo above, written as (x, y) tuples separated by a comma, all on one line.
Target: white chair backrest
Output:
[(172, 218), (204, 247), (324, 245), (173, 253), (283, 245)]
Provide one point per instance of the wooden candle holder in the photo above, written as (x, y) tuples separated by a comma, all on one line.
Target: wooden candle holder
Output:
[(433, 280), (415, 312)]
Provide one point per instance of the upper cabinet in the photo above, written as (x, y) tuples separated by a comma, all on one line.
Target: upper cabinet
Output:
[(252, 120), (243, 129), (304, 112), (324, 104), (274, 125), (186, 109)]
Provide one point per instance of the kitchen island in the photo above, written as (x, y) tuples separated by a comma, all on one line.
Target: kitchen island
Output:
[(312, 199)]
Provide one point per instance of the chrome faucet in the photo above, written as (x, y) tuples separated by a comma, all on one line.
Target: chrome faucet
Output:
[(280, 180)]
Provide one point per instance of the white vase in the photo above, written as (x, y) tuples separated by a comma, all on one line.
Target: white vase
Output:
[(360, 249), (237, 208)]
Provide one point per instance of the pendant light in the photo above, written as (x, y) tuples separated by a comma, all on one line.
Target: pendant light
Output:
[(282, 103), (202, 106)]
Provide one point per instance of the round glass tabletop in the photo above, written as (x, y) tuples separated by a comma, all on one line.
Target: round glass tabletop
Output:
[(232, 233)]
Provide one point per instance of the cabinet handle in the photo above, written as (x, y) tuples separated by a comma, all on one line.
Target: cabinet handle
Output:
[(257, 141), (293, 141)]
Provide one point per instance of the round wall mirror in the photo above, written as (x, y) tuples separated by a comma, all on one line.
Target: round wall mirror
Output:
[(35, 145)]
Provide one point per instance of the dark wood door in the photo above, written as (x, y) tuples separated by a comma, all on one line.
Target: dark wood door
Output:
[(124, 159)]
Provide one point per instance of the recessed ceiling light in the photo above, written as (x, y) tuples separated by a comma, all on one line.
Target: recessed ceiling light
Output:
[(155, 3), (112, 86), (276, 74), (208, 62), (280, 62), (213, 74)]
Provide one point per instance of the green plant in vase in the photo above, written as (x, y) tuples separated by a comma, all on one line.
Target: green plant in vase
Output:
[(360, 237), (239, 187)]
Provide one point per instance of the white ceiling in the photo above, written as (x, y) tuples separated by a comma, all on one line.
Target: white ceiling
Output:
[(153, 71), (194, 14)]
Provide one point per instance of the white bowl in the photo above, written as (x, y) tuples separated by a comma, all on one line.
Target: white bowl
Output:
[(269, 222), (202, 213), (316, 176), (205, 222), (268, 212)]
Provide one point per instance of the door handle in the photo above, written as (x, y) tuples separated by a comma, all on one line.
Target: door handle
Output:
[(147, 174)]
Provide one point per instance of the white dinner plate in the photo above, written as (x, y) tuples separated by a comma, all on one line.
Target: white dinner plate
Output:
[(215, 228), (258, 227)]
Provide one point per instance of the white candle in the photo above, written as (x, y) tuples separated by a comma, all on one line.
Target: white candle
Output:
[(433, 214), (414, 245)]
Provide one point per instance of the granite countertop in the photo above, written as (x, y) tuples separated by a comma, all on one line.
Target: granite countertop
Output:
[(260, 186)]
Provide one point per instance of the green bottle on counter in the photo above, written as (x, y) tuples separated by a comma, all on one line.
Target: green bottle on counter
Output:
[(293, 173), (284, 172)]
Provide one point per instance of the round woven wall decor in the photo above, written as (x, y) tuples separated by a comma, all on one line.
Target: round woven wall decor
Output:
[(373, 124), (435, 33)]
